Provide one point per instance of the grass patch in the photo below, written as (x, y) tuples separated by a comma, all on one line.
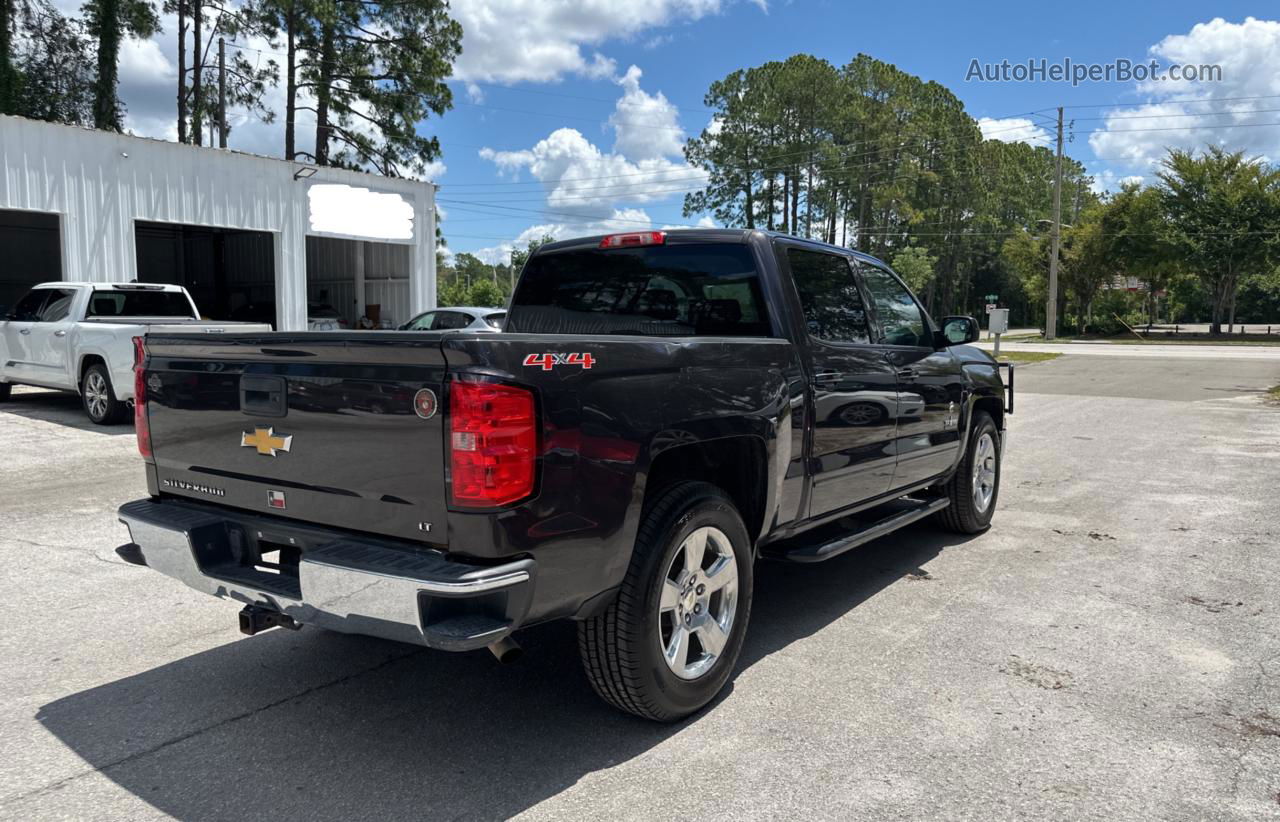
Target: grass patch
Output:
[(1273, 395), (1028, 356)]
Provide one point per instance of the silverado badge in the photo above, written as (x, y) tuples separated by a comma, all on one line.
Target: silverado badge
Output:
[(266, 441)]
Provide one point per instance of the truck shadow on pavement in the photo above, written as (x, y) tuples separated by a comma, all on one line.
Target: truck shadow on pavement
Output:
[(61, 407), (326, 726)]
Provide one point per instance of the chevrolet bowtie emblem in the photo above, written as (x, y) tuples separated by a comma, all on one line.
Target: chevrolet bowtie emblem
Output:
[(266, 441)]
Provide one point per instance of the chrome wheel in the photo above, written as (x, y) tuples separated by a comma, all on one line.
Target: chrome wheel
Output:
[(863, 413), (984, 473), (698, 602), (95, 394)]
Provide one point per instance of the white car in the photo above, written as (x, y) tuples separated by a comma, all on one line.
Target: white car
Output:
[(79, 337), (454, 318)]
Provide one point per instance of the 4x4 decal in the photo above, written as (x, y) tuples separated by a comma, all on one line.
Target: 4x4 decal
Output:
[(550, 361)]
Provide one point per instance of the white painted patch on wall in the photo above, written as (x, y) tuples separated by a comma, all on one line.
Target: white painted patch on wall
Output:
[(352, 211)]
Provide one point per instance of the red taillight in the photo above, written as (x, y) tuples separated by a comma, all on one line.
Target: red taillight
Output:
[(633, 239), (493, 441), (140, 425)]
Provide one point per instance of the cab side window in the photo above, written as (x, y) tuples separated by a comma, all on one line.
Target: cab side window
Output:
[(901, 320), (59, 305), (27, 309), (829, 295)]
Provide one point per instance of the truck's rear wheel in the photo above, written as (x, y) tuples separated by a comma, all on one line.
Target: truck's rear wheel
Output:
[(5, 389), (98, 399), (974, 487), (669, 642)]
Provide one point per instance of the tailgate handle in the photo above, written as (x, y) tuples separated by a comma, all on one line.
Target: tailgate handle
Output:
[(263, 396)]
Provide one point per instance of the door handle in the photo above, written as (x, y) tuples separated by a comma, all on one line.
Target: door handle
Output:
[(826, 377), (24, 330), (59, 333), (907, 373)]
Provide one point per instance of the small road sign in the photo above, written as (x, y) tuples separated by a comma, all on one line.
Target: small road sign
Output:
[(991, 307)]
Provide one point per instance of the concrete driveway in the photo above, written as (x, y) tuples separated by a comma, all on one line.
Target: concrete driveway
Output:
[(1109, 650)]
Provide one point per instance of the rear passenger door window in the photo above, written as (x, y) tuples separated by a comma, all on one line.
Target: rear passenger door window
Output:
[(58, 307), (447, 320), (829, 296)]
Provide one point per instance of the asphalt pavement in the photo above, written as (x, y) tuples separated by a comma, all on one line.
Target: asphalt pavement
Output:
[(1108, 650)]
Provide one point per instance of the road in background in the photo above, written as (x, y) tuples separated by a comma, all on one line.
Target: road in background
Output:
[(1107, 651), (1137, 350)]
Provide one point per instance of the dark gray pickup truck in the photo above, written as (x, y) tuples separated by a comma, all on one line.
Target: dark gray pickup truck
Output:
[(661, 410)]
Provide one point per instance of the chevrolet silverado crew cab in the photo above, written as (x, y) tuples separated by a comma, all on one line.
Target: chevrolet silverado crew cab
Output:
[(661, 410), (79, 337)]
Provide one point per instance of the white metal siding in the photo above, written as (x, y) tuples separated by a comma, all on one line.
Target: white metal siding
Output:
[(100, 183)]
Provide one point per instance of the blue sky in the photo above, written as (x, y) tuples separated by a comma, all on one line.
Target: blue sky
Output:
[(570, 114)]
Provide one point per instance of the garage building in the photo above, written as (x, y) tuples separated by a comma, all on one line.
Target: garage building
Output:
[(251, 237)]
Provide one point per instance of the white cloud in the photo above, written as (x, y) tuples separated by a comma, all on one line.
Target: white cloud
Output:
[(591, 191), (581, 179), (646, 125), (1136, 138), (1013, 130), (510, 41)]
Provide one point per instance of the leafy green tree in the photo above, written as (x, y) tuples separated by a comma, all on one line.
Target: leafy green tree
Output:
[(915, 265), (1133, 230), (377, 69), (109, 21), (1085, 264), (1222, 218), (55, 66), (485, 293)]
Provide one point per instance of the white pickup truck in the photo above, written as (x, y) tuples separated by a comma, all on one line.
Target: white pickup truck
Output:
[(79, 337)]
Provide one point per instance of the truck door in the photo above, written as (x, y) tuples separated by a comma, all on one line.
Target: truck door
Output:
[(852, 383), (931, 389), (18, 361), (50, 336)]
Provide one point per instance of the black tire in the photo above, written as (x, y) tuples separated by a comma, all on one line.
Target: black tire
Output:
[(964, 515), (6, 388), (98, 397), (622, 648)]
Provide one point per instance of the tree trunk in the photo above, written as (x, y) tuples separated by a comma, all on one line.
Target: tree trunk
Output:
[(291, 82), (323, 92), (1231, 318), (1219, 306), (197, 70), (8, 73), (182, 71), (106, 109), (786, 193), (770, 196), (808, 203), (795, 202), (751, 205)]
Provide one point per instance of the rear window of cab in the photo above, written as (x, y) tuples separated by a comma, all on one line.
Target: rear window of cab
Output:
[(693, 289)]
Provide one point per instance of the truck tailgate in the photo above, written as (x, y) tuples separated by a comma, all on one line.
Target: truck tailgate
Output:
[(320, 427)]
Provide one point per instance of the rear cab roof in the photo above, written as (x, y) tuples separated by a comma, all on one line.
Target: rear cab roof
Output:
[(706, 235)]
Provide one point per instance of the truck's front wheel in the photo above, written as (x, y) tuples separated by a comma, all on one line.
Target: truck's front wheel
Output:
[(98, 398), (669, 642), (976, 483)]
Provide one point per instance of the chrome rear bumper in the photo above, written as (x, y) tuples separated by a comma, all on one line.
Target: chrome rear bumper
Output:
[(344, 583)]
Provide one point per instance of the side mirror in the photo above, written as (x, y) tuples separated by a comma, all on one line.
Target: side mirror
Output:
[(959, 330)]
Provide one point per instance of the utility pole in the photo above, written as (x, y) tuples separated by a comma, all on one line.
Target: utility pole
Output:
[(222, 93), (1051, 305)]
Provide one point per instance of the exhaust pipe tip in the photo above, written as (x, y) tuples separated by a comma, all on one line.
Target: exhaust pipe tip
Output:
[(506, 650)]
